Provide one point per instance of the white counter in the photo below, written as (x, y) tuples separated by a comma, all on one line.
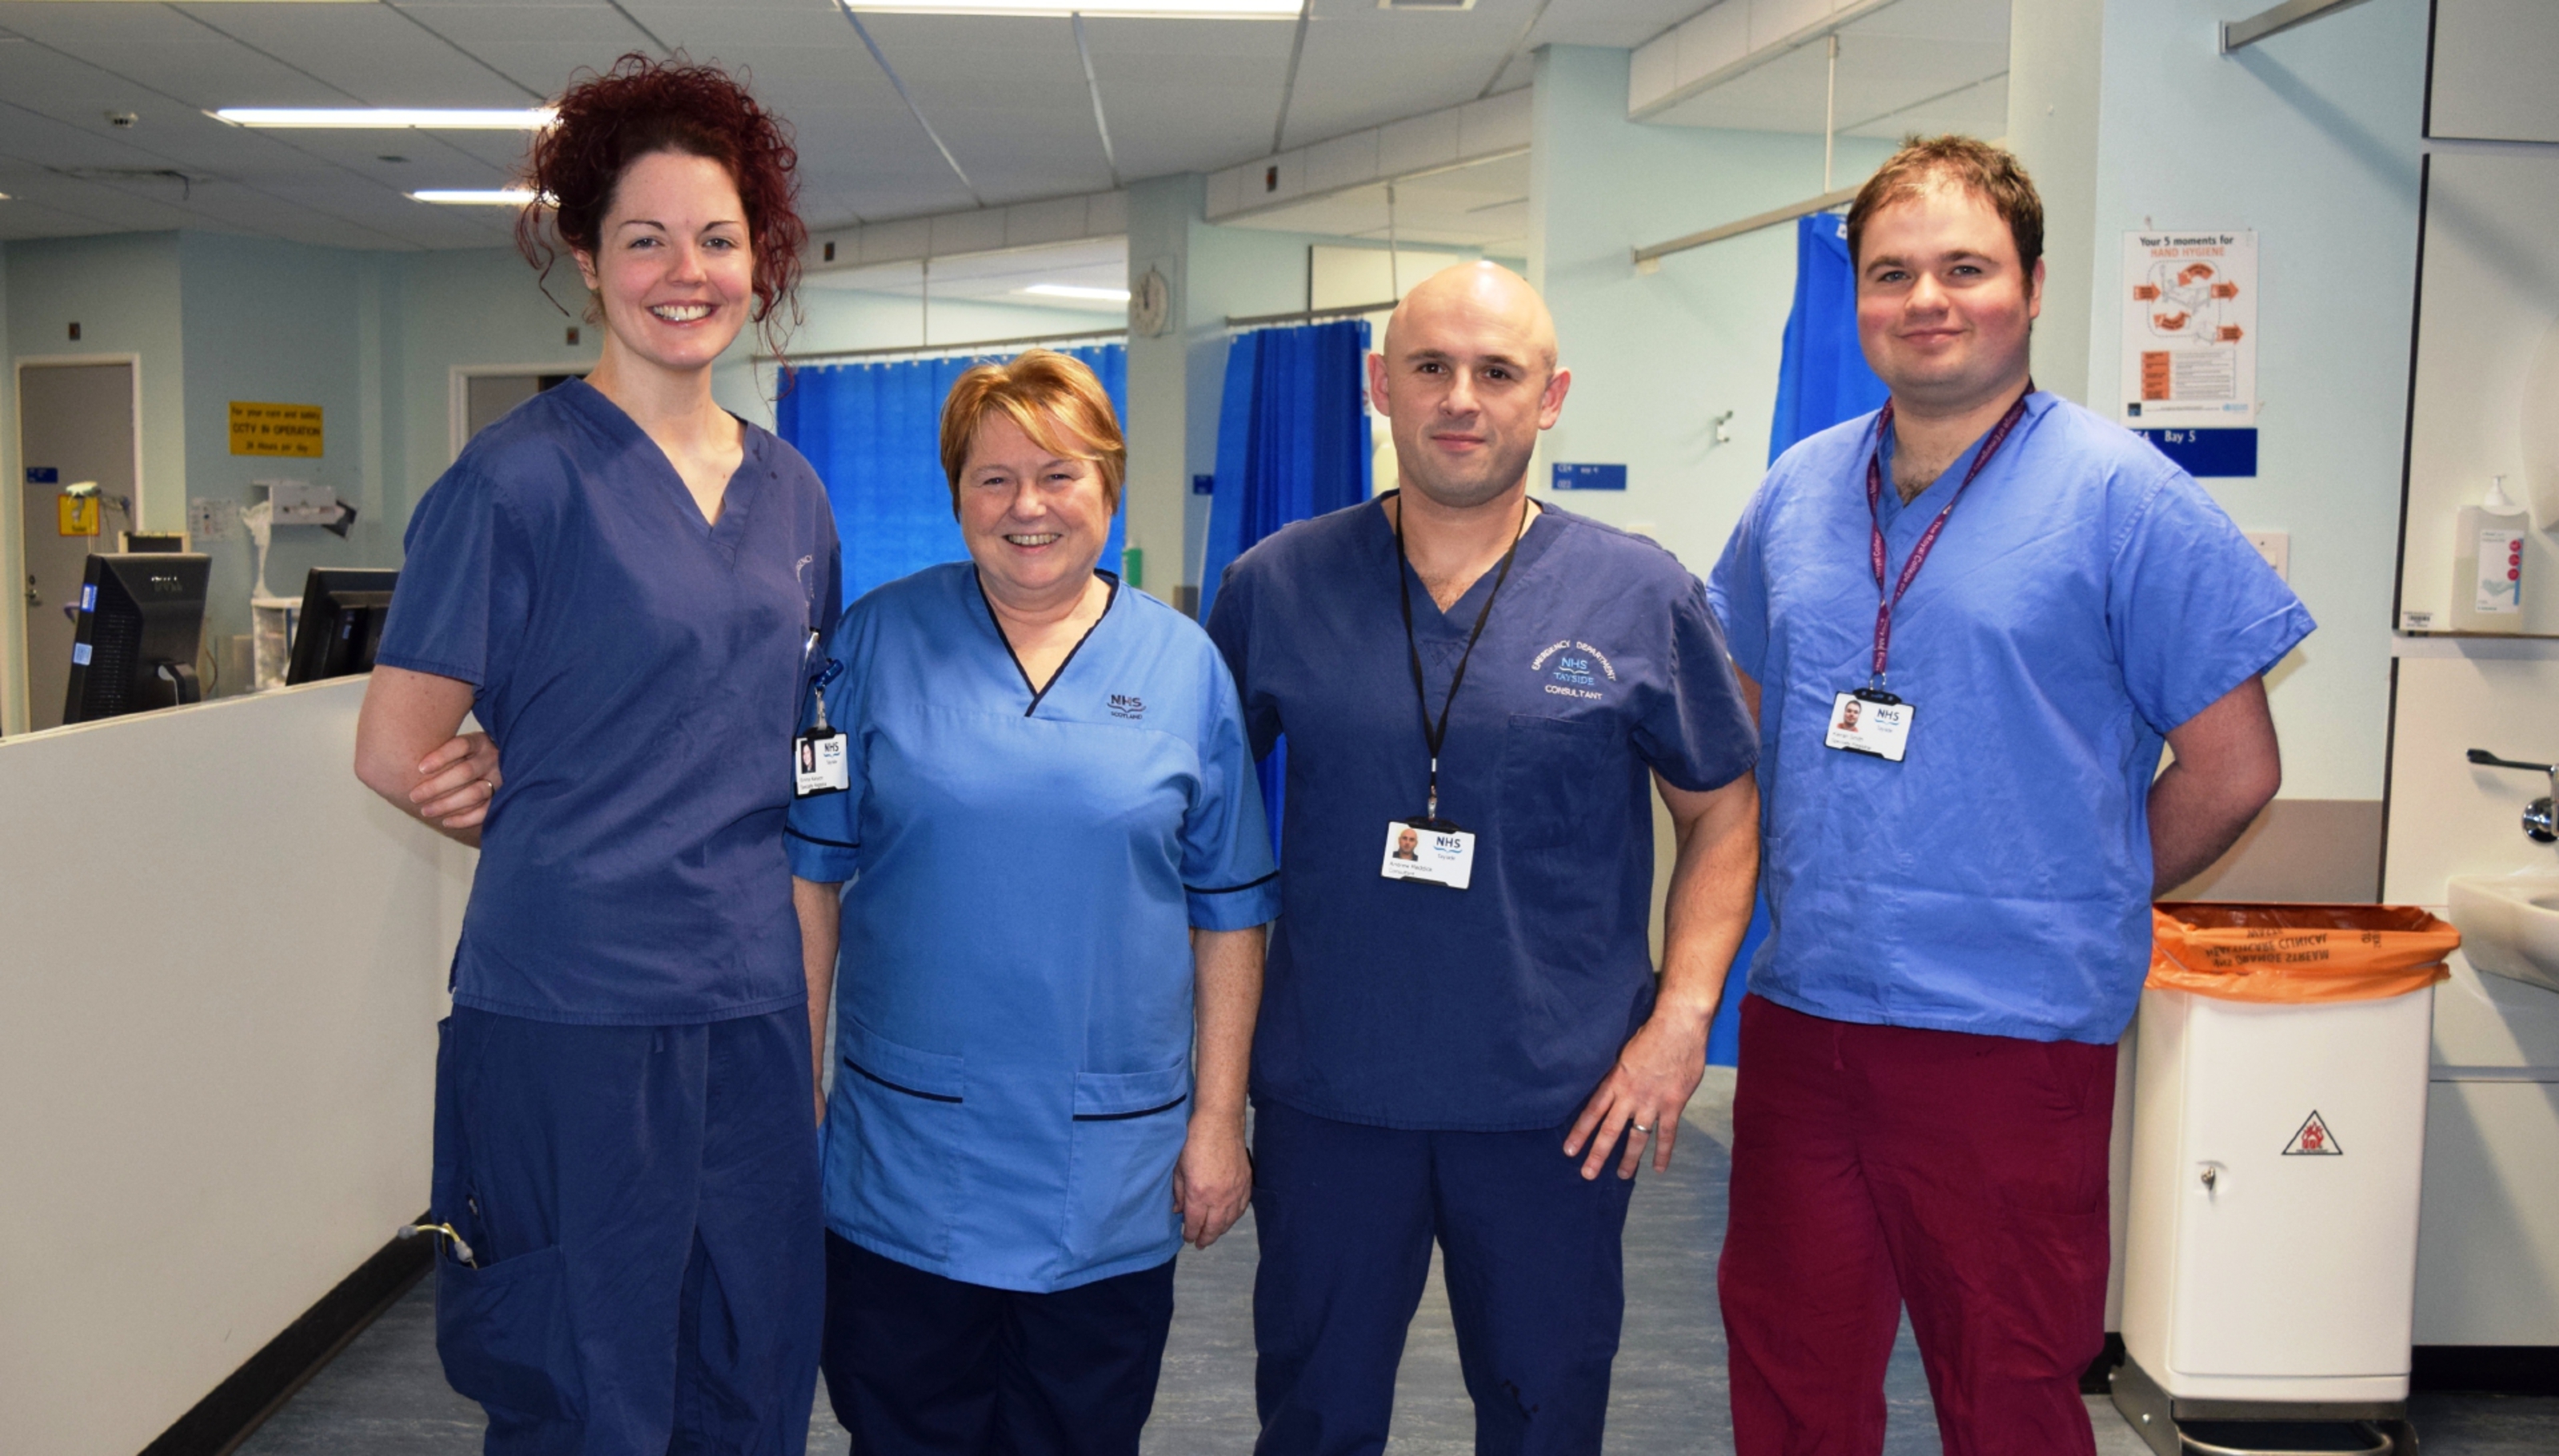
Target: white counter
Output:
[(222, 961)]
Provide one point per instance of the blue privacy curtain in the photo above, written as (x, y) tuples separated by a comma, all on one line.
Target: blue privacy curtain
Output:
[(875, 431), (1821, 379), (1292, 444)]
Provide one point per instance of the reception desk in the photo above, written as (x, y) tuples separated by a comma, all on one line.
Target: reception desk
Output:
[(222, 961)]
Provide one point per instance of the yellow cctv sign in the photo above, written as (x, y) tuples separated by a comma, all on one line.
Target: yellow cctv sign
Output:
[(78, 514), (275, 429)]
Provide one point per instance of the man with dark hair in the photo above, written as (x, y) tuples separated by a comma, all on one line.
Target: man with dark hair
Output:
[(1961, 873)]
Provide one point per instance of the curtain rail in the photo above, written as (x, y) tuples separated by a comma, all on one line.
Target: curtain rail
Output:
[(1308, 316), (971, 345), (1645, 257)]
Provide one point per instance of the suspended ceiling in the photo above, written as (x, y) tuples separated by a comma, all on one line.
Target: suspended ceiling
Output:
[(1008, 99)]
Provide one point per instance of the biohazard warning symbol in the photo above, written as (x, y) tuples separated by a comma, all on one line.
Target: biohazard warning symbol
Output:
[(2313, 1140)]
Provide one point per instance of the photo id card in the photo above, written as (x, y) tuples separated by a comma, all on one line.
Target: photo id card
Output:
[(818, 765), (1870, 722), (1438, 853)]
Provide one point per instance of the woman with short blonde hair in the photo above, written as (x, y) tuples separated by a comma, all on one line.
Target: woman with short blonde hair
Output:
[(1041, 870)]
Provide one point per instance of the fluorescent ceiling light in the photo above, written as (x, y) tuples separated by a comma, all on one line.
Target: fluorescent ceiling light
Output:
[(391, 118), (1077, 290), (484, 197), (1145, 9)]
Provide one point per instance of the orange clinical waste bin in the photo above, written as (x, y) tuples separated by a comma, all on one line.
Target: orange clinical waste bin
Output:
[(2279, 1122)]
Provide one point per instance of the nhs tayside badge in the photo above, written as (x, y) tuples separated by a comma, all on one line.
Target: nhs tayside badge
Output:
[(817, 763), (1433, 852), (1870, 721)]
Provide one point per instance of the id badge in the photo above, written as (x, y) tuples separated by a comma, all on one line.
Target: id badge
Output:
[(1871, 722), (819, 764), (1434, 853)]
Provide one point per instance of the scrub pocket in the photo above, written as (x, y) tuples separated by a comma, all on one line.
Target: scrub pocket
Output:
[(1127, 1136), (503, 1330), (504, 1333), (1563, 821), (893, 1158)]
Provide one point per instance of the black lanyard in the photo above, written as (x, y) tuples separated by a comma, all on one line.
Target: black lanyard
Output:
[(1927, 541), (1436, 734)]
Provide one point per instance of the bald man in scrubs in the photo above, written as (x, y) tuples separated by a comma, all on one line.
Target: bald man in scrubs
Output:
[(1469, 1047)]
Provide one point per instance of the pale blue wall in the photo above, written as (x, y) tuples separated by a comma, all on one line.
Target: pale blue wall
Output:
[(2311, 138), (122, 290), (484, 308), (280, 322), (1656, 357)]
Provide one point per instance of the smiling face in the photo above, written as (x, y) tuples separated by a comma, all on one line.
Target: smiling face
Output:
[(1034, 520), (1467, 380), (673, 266), (1944, 312)]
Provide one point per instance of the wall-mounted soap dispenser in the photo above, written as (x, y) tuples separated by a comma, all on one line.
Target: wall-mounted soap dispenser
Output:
[(2487, 563)]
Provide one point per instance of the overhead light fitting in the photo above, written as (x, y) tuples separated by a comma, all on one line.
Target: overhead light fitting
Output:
[(387, 118), (1096, 10), (1078, 290), (483, 197)]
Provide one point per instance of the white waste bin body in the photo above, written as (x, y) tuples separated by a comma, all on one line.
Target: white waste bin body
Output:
[(2277, 1156)]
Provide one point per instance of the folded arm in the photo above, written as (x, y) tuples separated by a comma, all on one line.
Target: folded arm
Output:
[(407, 751)]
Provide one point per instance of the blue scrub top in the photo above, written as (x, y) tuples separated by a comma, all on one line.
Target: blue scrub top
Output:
[(2085, 597), (638, 669), (1499, 1007), (1014, 996)]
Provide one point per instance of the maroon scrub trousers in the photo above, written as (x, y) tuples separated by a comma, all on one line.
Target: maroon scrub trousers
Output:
[(1961, 1175)]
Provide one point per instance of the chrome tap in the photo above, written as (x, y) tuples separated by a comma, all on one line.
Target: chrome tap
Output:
[(2541, 816)]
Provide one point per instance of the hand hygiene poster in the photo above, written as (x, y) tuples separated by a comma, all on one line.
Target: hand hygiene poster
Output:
[(2191, 330)]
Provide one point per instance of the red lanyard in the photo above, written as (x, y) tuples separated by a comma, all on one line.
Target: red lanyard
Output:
[(1919, 553)]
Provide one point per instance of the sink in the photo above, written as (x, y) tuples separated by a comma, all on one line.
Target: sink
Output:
[(2510, 924)]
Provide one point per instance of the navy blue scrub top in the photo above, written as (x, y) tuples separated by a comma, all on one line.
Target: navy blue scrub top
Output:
[(1013, 995), (639, 668), (1498, 1007)]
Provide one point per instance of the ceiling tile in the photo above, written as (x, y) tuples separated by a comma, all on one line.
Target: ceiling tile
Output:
[(372, 51)]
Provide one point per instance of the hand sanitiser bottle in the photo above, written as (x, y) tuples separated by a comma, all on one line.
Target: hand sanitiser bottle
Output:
[(2487, 563)]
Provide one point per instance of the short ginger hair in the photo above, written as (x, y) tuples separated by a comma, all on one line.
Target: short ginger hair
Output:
[(1057, 402), (1927, 163), (643, 107)]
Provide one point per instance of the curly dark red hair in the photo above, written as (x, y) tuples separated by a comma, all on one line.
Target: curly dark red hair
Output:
[(643, 106)]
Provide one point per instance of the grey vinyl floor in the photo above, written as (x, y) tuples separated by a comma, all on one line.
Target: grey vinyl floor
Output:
[(386, 1397)]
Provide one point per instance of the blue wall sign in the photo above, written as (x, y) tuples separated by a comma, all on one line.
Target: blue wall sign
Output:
[(1590, 476), (2206, 452), (44, 474)]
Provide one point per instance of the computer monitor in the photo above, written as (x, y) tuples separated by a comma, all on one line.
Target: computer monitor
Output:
[(141, 620), (341, 623)]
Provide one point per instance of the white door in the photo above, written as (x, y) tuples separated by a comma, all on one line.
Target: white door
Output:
[(74, 423)]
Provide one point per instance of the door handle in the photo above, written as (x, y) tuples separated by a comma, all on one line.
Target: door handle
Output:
[(34, 595)]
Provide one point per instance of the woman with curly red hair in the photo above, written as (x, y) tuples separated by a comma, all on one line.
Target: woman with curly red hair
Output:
[(621, 580)]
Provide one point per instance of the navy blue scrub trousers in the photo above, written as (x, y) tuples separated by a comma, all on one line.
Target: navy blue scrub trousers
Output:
[(920, 1365), (641, 1202), (1532, 1254)]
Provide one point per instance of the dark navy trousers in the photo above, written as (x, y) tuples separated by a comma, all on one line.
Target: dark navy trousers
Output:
[(919, 1365), (641, 1203), (1530, 1252)]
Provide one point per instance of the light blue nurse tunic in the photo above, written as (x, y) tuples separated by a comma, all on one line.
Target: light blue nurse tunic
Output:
[(1014, 993)]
